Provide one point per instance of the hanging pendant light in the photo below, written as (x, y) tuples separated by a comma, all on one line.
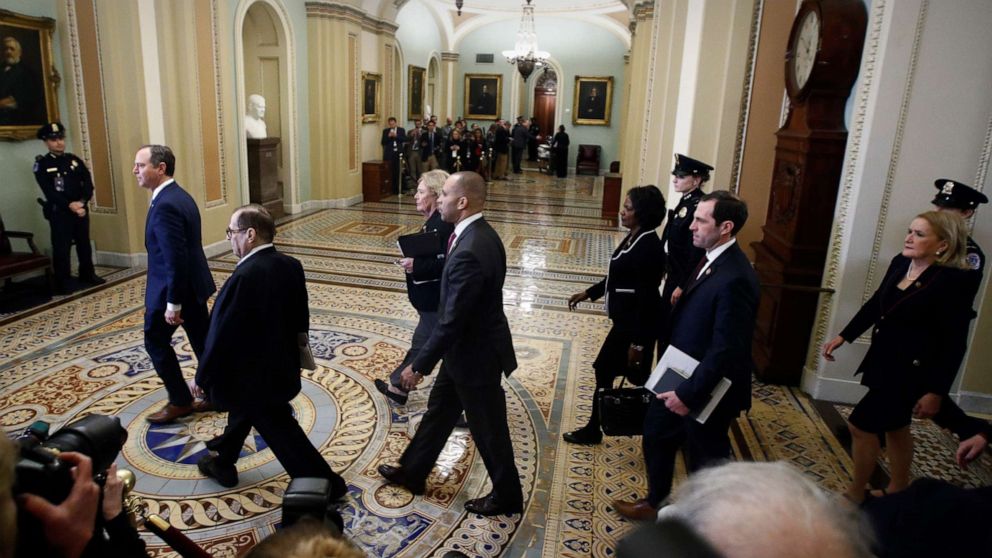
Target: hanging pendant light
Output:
[(525, 53)]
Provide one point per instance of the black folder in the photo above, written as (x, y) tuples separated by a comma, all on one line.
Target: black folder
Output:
[(420, 244)]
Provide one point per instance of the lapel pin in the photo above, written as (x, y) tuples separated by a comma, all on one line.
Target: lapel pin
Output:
[(708, 271)]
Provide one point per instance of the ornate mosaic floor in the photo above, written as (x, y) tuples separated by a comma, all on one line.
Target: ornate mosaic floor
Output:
[(85, 355)]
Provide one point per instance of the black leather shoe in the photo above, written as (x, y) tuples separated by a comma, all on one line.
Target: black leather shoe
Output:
[(488, 505), (92, 279), (383, 388), (225, 476), (585, 436), (396, 475)]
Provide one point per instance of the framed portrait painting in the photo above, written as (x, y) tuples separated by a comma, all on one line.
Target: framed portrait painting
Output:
[(371, 97), (593, 100), (415, 88), (483, 96), (28, 79)]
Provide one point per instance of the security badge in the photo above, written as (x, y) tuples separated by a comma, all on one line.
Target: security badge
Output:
[(948, 188), (974, 261), (683, 212)]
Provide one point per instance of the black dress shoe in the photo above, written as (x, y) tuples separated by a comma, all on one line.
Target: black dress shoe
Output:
[(92, 279), (585, 436), (488, 505), (383, 388), (225, 476), (396, 475)]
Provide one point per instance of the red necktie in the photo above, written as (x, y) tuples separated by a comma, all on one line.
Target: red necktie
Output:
[(451, 240)]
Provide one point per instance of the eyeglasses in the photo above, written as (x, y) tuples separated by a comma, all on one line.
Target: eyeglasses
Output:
[(231, 232)]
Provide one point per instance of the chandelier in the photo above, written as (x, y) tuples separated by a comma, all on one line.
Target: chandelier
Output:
[(525, 53)]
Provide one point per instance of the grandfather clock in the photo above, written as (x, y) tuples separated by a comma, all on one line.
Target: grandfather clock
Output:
[(821, 65)]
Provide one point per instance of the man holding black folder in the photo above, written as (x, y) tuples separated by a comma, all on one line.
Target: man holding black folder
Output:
[(712, 322)]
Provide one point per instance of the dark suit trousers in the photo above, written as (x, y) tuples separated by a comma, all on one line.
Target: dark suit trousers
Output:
[(158, 344), (276, 425), (66, 229), (485, 409), (665, 432), (517, 154), (420, 336)]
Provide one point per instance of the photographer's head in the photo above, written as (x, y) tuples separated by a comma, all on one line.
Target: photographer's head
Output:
[(307, 538)]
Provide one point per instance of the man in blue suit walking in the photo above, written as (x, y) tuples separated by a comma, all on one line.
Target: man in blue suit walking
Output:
[(713, 322), (179, 281)]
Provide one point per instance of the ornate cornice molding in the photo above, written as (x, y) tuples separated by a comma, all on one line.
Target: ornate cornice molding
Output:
[(831, 272), (449, 57), (890, 174), (351, 14), (746, 90), (643, 11)]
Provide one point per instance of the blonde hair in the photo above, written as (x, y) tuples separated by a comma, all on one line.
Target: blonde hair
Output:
[(308, 538), (952, 229), (434, 180)]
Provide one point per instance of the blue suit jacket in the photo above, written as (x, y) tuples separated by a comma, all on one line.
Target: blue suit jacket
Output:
[(713, 322), (177, 267)]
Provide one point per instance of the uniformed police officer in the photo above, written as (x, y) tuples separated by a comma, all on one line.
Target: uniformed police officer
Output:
[(688, 178), (68, 187), (963, 200)]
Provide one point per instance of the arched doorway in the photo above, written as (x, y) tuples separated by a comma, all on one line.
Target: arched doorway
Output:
[(546, 100), (432, 73), (264, 63)]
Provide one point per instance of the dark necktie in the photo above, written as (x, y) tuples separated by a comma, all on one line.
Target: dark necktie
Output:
[(695, 273), (451, 240)]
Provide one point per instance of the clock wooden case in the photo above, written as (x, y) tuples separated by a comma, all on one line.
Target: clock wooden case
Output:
[(821, 66)]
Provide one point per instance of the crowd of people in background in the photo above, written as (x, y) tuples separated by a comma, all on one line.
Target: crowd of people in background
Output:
[(493, 151)]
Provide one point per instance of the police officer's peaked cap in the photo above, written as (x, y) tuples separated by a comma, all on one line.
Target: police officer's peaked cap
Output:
[(953, 194), (690, 166), (52, 130)]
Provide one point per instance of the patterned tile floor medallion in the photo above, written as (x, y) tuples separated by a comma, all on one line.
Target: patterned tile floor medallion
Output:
[(85, 355)]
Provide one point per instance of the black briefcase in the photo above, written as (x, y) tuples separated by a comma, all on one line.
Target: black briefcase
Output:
[(622, 410)]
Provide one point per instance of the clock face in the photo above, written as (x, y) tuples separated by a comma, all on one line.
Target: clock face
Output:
[(806, 45)]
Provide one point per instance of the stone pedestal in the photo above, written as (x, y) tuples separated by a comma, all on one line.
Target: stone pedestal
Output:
[(264, 187)]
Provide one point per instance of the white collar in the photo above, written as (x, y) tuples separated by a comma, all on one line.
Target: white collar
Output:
[(460, 227), (253, 250), (160, 187), (715, 253)]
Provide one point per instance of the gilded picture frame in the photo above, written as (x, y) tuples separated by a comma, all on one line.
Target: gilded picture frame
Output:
[(483, 96), (593, 100), (28, 78), (416, 81), (371, 97)]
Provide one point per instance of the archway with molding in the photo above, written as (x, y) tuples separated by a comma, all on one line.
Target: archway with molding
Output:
[(267, 65)]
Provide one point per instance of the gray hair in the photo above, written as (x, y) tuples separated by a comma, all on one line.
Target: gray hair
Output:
[(729, 505)]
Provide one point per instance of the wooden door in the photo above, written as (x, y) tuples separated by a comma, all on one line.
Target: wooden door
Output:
[(544, 111)]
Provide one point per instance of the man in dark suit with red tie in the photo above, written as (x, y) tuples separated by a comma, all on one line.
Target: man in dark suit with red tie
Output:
[(473, 338), (251, 365), (179, 281), (713, 322)]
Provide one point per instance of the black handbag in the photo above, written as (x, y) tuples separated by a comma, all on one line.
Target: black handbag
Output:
[(622, 409)]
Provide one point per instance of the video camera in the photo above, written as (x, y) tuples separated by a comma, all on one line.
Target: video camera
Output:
[(310, 497)]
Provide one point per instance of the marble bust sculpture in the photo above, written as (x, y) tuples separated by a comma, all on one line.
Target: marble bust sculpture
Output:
[(254, 125)]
